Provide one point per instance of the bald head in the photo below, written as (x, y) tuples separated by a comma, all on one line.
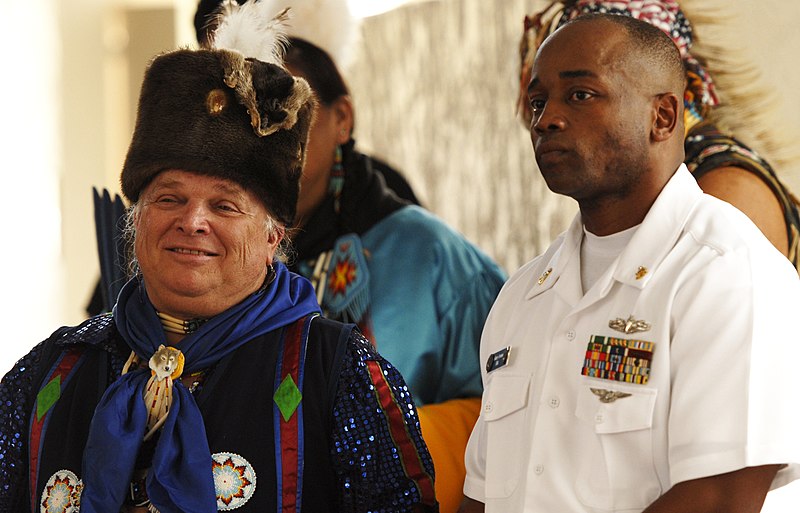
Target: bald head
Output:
[(646, 46)]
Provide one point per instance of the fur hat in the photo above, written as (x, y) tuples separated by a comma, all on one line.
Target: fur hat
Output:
[(221, 112)]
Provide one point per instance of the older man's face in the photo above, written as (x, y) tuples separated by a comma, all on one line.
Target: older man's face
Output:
[(202, 243)]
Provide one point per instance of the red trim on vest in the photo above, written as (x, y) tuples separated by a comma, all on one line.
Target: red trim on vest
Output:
[(409, 456), (62, 369), (293, 340)]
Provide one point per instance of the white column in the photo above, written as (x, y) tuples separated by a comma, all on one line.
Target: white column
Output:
[(31, 265)]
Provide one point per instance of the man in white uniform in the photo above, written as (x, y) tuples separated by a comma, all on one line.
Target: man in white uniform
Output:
[(645, 361)]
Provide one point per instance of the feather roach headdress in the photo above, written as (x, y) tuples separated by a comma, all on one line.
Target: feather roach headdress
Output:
[(737, 99), (230, 110)]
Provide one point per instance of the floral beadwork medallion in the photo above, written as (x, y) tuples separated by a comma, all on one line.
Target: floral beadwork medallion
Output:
[(62, 493), (234, 480)]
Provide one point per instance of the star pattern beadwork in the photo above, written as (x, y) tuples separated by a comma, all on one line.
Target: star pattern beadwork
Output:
[(234, 480), (343, 275)]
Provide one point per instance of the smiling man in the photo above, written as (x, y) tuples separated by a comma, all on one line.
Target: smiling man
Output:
[(215, 384), (644, 361)]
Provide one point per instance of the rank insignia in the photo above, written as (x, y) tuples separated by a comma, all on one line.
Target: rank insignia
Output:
[(544, 276), (618, 359), (498, 359)]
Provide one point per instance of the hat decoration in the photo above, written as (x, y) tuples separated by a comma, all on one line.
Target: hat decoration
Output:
[(327, 24), (230, 110)]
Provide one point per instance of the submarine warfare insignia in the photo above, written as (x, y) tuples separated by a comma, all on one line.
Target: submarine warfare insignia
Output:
[(630, 325)]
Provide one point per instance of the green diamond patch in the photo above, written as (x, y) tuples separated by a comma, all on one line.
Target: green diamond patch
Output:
[(47, 397), (287, 397)]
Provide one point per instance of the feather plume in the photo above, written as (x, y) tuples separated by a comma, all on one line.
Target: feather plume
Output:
[(750, 107), (252, 29), (328, 24)]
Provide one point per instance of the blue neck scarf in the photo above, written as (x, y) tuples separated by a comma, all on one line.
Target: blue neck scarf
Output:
[(180, 478)]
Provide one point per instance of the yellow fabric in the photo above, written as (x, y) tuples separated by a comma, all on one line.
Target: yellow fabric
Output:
[(446, 428)]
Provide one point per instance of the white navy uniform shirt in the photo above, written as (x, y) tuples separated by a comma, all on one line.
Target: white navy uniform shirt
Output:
[(694, 379)]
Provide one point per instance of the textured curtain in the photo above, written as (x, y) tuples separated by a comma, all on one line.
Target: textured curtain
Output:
[(434, 85)]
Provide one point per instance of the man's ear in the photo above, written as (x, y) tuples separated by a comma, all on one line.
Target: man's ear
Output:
[(668, 111), (276, 236), (344, 116)]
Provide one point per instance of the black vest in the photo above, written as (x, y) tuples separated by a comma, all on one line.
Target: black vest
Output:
[(236, 402)]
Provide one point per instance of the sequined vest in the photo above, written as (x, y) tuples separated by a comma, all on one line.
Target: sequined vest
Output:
[(237, 401)]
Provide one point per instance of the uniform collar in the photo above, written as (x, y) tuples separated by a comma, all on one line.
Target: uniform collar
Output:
[(648, 247), (659, 231)]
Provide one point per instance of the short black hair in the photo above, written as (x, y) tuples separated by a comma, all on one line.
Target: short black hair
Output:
[(650, 42)]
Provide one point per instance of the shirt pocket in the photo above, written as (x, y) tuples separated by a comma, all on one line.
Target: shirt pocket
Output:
[(504, 414), (617, 470)]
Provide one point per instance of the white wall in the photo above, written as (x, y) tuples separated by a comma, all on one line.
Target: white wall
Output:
[(32, 266)]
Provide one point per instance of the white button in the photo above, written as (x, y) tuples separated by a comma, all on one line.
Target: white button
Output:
[(539, 469), (571, 335), (598, 418), (488, 407), (554, 402)]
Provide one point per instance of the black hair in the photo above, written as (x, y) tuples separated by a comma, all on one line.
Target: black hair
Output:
[(318, 68), (648, 41), (204, 19)]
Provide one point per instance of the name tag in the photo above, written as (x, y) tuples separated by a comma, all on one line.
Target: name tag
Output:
[(498, 359)]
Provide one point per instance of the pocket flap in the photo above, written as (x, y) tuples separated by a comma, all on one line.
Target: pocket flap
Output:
[(504, 396), (612, 408)]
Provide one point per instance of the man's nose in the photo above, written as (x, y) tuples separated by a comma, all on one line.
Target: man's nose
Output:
[(194, 219), (549, 119)]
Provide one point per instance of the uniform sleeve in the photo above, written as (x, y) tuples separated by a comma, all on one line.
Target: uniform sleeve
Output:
[(17, 395), (381, 461), (734, 356)]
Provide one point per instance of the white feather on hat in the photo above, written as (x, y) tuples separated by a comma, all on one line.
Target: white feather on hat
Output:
[(328, 24), (254, 29)]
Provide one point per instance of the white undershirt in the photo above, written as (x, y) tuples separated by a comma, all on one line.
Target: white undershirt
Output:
[(598, 253)]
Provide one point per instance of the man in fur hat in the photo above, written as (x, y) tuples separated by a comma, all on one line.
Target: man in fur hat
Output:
[(214, 384)]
